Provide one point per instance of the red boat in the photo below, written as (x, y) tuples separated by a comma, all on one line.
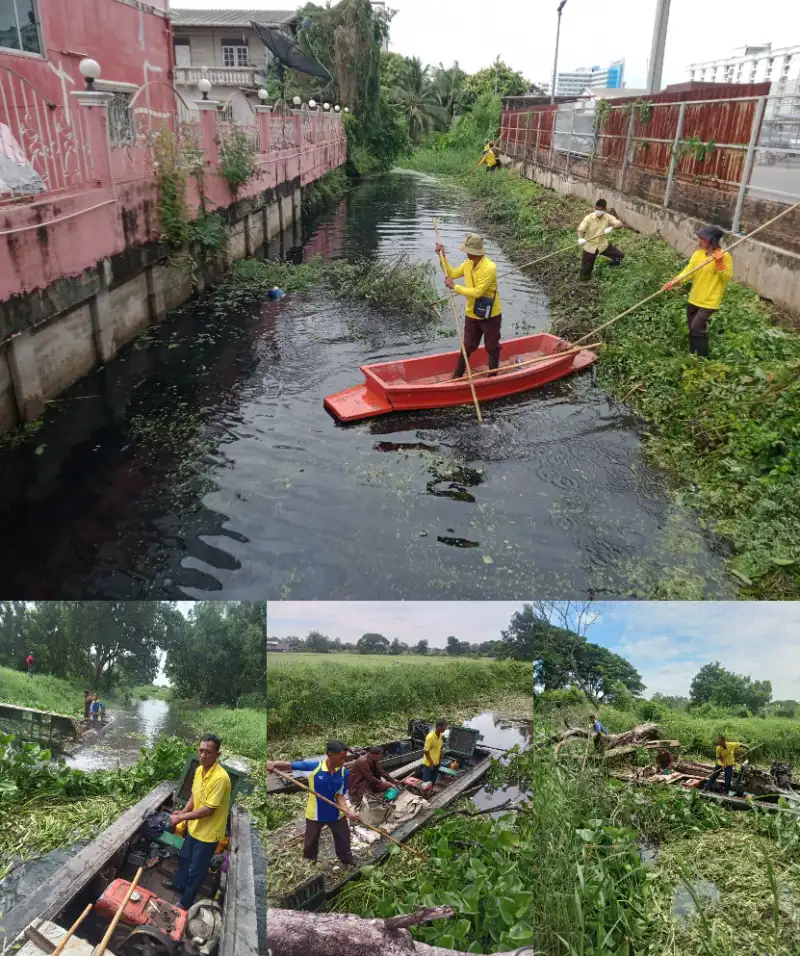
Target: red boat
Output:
[(426, 382)]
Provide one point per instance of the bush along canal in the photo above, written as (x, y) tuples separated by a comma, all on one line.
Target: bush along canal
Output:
[(201, 462)]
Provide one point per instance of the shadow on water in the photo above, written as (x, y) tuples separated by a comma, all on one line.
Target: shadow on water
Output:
[(201, 463)]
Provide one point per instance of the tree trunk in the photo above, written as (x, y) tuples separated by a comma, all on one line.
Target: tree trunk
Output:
[(295, 933), (638, 735)]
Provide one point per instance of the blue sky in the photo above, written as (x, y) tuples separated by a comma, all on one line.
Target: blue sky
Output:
[(669, 642), (666, 642)]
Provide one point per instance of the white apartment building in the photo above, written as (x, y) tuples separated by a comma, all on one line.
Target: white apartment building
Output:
[(758, 64), (575, 82)]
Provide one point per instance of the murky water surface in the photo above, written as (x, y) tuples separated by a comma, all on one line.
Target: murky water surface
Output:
[(201, 463)]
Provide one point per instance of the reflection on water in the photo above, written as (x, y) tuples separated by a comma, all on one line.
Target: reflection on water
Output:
[(201, 462), (503, 733), (132, 729)]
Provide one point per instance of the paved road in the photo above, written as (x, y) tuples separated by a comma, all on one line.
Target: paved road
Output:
[(785, 178)]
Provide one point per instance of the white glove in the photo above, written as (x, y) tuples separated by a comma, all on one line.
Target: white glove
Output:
[(608, 229), (581, 242)]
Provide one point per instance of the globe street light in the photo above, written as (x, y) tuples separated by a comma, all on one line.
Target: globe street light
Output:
[(90, 70)]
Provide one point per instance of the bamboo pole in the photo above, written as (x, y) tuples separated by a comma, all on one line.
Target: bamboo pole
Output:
[(538, 360), (458, 329), (705, 262), (383, 833), (101, 946), (533, 262), (71, 930)]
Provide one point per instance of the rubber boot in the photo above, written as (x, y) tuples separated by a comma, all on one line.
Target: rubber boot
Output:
[(698, 344)]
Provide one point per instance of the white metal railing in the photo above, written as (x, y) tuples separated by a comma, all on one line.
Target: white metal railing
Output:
[(768, 164), (42, 145), (217, 75)]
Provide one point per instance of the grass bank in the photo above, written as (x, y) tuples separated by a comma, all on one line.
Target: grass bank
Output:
[(727, 430), (41, 692), (711, 882), (363, 698), (243, 730), (150, 692)]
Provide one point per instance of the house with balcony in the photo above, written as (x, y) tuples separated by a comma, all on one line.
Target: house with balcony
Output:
[(223, 43)]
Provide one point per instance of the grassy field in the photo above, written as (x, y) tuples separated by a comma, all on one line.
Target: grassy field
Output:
[(243, 731), (363, 697), (725, 429), (150, 692), (41, 692), (711, 882)]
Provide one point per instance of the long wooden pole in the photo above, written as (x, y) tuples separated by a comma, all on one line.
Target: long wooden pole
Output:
[(383, 833), (705, 262), (101, 946), (533, 262), (458, 329), (539, 359), (71, 930)]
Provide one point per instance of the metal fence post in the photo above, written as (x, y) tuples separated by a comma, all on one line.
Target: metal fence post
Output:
[(626, 158), (673, 162), (527, 130), (755, 129), (569, 141), (538, 134), (553, 130)]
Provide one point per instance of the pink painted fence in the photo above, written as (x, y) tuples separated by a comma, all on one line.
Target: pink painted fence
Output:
[(82, 187)]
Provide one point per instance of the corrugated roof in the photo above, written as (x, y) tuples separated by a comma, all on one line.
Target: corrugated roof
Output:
[(229, 18)]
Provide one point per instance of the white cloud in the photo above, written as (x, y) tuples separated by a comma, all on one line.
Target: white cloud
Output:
[(410, 621), (669, 641), (522, 32)]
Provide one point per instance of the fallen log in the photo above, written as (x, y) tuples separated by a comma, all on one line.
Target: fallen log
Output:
[(296, 933), (642, 735)]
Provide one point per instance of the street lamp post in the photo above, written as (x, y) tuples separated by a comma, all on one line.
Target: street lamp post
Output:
[(555, 58)]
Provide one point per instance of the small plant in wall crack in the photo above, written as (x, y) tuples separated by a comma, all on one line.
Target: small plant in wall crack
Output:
[(238, 157)]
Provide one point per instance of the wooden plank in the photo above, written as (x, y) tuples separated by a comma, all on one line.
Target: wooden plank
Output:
[(239, 916), (54, 894), (404, 771)]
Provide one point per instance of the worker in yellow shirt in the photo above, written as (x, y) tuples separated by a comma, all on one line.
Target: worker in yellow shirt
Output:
[(726, 760), (489, 158), (708, 285), (483, 310), (207, 816), (432, 755), (593, 233)]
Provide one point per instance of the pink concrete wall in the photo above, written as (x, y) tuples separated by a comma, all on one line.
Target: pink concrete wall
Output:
[(130, 41)]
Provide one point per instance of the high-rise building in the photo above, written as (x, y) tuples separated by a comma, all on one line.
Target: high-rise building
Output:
[(575, 82), (758, 64)]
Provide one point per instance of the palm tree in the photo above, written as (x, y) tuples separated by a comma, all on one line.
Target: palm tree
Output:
[(447, 82), (419, 102)]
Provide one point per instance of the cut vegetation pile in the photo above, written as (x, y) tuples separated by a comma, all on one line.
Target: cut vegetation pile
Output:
[(727, 429), (659, 869)]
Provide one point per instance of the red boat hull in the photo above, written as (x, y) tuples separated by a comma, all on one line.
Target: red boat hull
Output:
[(425, 382)]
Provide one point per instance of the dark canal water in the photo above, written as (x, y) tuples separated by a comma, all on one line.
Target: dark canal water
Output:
[(201, 463)]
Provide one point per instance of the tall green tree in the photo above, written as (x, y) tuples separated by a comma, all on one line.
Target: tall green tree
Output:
[(497, 80), (448, 83), (418, 101), (372, 644), (713, 684)]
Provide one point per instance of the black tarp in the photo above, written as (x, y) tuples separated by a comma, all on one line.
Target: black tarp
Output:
[(282, 48)]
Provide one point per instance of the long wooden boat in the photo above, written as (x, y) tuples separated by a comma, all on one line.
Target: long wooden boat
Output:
[(96, 870), (474, 764), (426, 382), (396, 753)]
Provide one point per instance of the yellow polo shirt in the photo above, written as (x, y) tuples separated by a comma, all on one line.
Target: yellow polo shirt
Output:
[(480, 281), (726, 756), (708, 283), (211, 790), (592, 229), (434, 744)]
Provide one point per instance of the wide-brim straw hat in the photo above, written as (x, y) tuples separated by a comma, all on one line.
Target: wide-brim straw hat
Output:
[(473, 245)]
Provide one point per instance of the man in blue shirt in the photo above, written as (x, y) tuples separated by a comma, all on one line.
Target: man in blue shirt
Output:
[(599, 731), (328, 779)]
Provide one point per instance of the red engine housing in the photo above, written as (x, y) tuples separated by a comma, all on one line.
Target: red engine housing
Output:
[(143, 909)]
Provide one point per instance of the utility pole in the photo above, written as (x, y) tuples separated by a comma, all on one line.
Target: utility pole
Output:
[(555, 58), (656, 65)]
